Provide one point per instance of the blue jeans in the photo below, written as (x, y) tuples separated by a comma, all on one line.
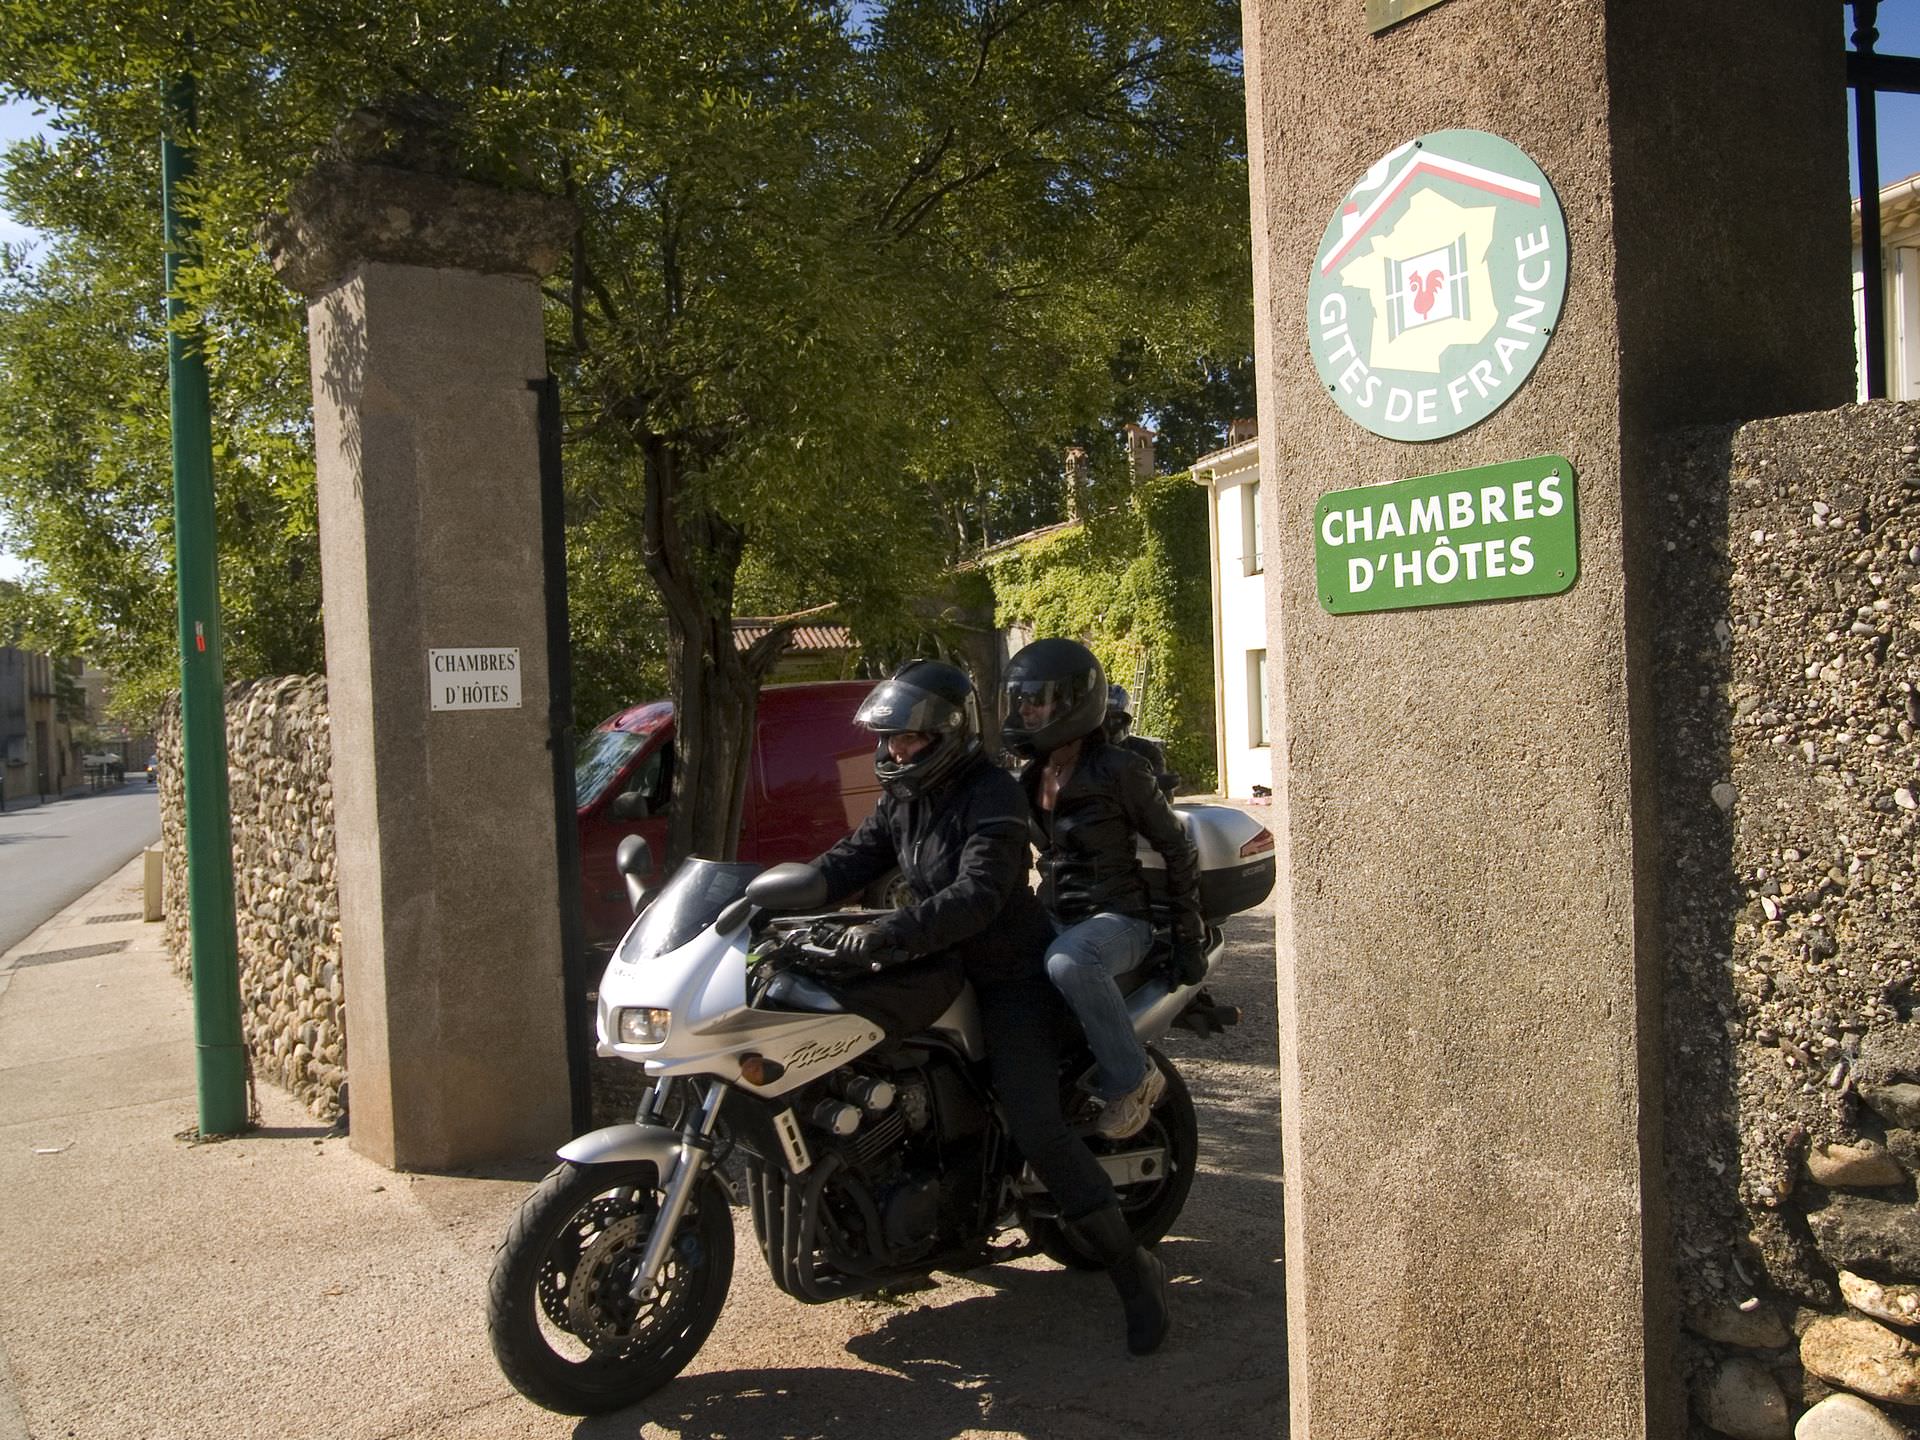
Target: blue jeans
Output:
[(1082, 963)]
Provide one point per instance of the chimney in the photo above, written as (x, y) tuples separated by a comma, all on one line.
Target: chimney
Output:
[(1077, 481), (1242, 430), (1140, 450)]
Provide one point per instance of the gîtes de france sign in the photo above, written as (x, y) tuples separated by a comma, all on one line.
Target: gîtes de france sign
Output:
[(1492, 533), (1437, 285), (486, 678)]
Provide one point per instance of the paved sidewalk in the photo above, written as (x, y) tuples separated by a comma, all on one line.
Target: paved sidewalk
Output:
[(274, 1285), (281, 1285)]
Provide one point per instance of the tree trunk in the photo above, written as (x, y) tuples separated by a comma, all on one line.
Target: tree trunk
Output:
[(693, 556)]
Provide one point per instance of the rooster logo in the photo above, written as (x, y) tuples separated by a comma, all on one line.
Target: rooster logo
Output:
[(1425, 289)]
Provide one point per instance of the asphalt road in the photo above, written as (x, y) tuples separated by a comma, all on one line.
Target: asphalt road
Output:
[(52, 854)]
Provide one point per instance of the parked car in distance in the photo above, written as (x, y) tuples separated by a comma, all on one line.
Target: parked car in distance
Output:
[(811, 781)]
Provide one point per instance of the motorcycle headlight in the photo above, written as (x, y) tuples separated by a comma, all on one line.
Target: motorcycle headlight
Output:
[(642, 1026)]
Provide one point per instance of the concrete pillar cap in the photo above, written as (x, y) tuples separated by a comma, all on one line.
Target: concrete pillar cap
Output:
[(348, 212)]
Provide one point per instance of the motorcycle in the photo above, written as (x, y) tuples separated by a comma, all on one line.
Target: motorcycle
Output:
[(867, 1164)]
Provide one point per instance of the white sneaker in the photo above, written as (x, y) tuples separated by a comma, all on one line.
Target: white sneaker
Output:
[(1129, 1114)]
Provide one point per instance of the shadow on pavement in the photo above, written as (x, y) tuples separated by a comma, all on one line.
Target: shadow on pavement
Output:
[(811, 1404), (315, 1131)]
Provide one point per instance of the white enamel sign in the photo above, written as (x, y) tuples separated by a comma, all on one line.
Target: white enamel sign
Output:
[(474, 679)]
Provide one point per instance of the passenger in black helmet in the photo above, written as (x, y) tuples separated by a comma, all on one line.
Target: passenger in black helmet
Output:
[(1119, 725), (955, 826), (1089, 799)]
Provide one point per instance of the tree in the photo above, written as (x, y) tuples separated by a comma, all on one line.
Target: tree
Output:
[(844, 279), (85, 468)]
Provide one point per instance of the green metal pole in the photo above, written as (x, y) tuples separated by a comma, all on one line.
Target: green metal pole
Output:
[(220, 1053)]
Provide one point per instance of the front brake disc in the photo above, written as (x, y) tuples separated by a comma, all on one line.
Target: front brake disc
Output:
[(601, 1310)]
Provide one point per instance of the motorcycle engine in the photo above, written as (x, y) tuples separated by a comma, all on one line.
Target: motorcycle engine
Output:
[(918, 1157)]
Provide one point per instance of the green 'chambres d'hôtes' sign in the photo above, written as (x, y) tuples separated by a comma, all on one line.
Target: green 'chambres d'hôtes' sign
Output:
[(1383, 13), (1493, 533)]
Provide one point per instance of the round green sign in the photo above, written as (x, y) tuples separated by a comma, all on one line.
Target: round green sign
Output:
[(1437, 285)]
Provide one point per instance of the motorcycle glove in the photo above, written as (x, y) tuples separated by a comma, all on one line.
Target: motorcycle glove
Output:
[(866, 947), (1190, 958)]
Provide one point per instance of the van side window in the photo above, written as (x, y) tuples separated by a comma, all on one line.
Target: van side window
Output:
[(654, 780)]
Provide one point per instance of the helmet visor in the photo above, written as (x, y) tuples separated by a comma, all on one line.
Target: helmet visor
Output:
[(895, 706), (1032, 704)]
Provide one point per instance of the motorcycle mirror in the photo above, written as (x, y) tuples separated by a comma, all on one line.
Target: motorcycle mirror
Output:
[(788, 887), (630, 806), (633, 859)]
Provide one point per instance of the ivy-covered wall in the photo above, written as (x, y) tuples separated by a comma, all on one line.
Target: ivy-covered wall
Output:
[(1133, 581)]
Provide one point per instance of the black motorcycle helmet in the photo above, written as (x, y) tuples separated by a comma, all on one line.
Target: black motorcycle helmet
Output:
[(1119, 712), (930, 697), (1056, 693)]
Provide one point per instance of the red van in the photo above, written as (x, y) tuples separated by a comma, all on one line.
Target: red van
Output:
[(811, 782)]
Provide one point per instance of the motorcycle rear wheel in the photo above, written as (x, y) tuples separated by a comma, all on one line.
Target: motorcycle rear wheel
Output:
[(559, 1317), (1151, 1206)]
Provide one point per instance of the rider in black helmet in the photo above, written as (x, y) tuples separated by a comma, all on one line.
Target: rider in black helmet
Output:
[(927, 698), (1090, 799), (946, 821), (1120, 732), (955, 826)]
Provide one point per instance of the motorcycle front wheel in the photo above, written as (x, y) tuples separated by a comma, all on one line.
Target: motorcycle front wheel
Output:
[(560, 1314), (1150, 1206)]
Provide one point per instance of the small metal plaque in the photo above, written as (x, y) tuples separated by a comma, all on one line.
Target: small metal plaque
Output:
[(474, 678), (1381, 14), (1493, 533)]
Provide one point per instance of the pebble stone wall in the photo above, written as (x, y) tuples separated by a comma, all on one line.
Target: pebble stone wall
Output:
[(1788, 663), (286, 900)]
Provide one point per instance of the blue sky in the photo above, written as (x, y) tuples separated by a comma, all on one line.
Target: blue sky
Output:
[(1899, 127)]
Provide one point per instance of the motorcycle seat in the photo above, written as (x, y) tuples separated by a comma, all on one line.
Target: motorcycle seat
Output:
[(789, 991), (1156, 961)]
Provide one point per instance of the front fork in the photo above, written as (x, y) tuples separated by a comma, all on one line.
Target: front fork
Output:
[(676, 1187)]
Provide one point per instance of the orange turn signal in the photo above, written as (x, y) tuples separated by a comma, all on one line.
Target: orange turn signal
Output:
[(758, 1070)]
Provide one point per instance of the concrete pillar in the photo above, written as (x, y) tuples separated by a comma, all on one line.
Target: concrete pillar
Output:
[(425, 330), (1469, 917)]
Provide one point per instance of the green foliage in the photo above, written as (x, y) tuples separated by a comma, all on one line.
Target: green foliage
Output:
[(1134, 584), (85, 464), (847, 279)]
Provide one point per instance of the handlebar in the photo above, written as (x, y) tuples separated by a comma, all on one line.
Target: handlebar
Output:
[(832, 964)]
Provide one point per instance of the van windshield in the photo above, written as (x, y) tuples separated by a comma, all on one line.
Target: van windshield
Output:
[(602, 756)]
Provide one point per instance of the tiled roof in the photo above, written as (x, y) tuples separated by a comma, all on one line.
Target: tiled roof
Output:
[(802, 638)]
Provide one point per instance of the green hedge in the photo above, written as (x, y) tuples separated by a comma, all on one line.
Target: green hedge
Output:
[(1131, 582)]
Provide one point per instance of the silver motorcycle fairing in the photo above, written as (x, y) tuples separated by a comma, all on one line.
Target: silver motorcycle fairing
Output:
[(619, 1143), (703, 986)]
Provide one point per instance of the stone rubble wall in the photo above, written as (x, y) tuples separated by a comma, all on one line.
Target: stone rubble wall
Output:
[(1787, 655), (286, 898)]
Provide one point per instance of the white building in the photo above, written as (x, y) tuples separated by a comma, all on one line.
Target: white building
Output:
[(1232, 478), (1900, 275)]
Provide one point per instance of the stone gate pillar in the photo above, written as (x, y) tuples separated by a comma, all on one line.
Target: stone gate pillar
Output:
[(1468, 922), (425, 330)]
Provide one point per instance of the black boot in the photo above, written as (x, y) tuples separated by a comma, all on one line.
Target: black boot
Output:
[(1136, 1273)]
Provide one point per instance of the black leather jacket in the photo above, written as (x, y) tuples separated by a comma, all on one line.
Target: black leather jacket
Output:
[(963, 853), (1087, 860)]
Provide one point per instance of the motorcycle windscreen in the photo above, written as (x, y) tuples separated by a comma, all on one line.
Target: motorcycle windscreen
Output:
[(687, 904)]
